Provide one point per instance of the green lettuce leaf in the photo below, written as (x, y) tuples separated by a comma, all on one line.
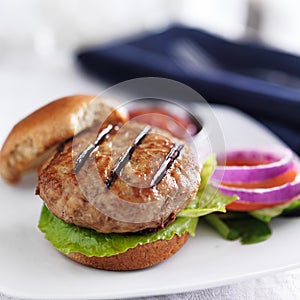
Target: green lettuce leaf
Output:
[(240, 226), (267, 214), (69, 238), (208, 199)]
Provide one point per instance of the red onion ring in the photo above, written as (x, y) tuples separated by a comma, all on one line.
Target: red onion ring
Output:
[(271, 195), (277, 162)]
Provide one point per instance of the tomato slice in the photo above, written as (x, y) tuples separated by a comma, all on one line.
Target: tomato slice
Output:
[(288, 176), (240, 205), (249, 206)]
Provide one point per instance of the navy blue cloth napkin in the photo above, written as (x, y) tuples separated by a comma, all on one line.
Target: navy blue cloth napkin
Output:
[(262, 82)]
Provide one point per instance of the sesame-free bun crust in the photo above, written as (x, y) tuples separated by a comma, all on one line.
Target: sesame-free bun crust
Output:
[(140, 257), (31, 140)]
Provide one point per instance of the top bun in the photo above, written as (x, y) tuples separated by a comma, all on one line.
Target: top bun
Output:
[(34, 138)]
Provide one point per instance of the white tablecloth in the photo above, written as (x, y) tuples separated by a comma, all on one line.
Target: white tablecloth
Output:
[(280, 286), (35, 81)]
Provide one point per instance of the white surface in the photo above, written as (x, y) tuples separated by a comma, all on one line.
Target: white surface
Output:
[(31, 268)]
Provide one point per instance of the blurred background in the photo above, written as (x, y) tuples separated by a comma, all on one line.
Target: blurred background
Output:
[(49, 26), (39, 39)]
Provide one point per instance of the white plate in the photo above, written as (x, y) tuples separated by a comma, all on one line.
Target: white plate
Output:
[(31, 268)]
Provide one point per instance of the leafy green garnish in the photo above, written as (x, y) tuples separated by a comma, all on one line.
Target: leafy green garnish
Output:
[(267, 214), (207, 171), (225, 231), (240, 226), (69, 238), (208, 199), (207, 202)]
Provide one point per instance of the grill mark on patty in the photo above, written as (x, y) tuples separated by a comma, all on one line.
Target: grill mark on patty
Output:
[(125, 158), (87, 152), (166, 164)]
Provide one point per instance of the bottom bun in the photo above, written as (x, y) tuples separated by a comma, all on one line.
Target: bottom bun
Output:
[(140, 257)]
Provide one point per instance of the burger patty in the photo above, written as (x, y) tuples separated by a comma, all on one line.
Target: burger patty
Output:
[(129, 179)]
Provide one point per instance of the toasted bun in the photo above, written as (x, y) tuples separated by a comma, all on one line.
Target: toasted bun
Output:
[(140, 257), (31, 140)]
